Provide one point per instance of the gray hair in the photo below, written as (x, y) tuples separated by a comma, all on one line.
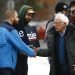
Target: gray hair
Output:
[(61, 17)]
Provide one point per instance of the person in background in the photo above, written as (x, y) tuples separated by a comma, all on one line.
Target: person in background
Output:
[(61, 7), (11, 44), (72, 12), (26, 14)]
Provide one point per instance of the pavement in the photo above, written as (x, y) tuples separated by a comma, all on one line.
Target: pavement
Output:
[(39, 65)]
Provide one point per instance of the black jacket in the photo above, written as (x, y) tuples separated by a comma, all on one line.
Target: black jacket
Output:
[(22, 32)]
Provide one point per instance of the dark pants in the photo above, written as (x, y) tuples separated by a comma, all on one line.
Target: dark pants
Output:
[(22, 66), (6, 71), (64, 70)]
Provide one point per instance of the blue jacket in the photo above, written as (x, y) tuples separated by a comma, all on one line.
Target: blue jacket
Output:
[(10, 44)]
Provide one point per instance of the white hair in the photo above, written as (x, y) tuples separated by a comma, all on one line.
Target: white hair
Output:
[(61, 17)]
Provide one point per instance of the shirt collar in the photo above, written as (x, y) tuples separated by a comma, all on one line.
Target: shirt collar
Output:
[(62, 33)]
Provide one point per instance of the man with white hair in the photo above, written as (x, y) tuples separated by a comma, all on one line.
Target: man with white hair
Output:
[(60, 22), (61, 7), (61, 46)]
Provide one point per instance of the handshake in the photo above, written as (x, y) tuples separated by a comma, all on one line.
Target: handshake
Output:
[(34, 48)]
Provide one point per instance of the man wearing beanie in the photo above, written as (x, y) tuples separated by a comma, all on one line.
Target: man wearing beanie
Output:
[(26, 13)]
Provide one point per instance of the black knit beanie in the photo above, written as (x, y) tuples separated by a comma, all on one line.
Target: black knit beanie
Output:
[(60, 7)]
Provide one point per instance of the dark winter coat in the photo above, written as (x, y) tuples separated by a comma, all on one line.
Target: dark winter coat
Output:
[(70, 48)]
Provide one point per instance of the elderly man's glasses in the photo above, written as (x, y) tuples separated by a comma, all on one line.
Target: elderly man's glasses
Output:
[(58, 23)]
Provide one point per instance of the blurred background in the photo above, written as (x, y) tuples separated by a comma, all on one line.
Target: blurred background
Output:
[(43, 8), (44, 11)]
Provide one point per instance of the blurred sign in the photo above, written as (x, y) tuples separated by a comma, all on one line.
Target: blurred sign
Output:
[(32, 35)]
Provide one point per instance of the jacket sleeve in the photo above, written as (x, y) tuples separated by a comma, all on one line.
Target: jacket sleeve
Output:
[(43, 52), (16, 41), (50, 44)]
